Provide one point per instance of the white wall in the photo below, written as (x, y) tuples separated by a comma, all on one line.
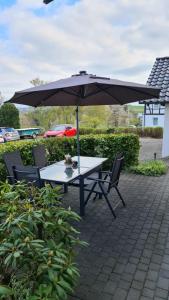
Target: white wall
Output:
[(165, 147), (149, 120)]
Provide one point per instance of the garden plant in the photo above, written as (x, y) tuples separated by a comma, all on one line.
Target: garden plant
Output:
[(37, 244), (150, 168), (103, 145)]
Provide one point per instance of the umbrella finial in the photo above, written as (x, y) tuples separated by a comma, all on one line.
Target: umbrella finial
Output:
[(47, 1), (82, 73)]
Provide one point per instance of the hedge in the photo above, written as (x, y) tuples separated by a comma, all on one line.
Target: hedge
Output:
[(107, 145), (154, 132)]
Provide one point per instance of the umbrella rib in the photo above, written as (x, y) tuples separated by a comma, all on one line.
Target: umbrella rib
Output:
[(95, 93), (105, 90), (69, 93), (60, 90), (25, 94), (39, 103), (145, 93)]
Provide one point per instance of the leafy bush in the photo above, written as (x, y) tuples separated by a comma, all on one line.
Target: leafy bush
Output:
[(37, 244), (150, 168), (107, 145), (154, 132)]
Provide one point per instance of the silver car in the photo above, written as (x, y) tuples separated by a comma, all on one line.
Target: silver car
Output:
[(9, 134)]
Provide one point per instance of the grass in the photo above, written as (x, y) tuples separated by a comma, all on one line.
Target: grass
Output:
[(150, 168), (136, 108)]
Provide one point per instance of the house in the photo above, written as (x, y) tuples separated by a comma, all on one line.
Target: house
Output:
[(156, 111), (153, 115)]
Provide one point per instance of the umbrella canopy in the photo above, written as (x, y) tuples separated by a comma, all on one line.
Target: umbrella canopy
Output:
[(85, 89)]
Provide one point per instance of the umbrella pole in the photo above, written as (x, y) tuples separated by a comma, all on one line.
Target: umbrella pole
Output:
[(78, 141)]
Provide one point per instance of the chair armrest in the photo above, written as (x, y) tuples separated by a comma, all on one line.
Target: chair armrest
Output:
[(98, 180), (106, 172)]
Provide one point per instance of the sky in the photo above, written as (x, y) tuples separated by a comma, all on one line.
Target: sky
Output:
[(116, 38)]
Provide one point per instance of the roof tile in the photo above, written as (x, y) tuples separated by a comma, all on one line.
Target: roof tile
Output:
[(159, 77)]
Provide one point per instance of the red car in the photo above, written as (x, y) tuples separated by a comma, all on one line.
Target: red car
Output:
[(61, 130)]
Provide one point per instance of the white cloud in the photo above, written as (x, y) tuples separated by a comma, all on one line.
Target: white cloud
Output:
[(119, 38)]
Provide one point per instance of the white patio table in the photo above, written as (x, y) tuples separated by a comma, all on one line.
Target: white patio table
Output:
[(58, 173)]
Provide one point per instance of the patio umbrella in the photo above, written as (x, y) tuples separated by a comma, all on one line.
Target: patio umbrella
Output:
[(82, 90)]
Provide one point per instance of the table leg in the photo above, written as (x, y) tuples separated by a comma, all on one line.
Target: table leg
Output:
[(100, 177), (81, 190)]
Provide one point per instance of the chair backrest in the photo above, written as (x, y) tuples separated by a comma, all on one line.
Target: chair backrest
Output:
[(11, 159), (116, 170), (28, 174), (39, 154)]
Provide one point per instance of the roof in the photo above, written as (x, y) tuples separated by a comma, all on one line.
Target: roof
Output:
[(159, 77)]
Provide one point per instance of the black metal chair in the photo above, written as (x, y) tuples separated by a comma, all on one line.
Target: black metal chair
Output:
[(103, 186), (39, 155), (11, 159), (40, 160), (27, 174)]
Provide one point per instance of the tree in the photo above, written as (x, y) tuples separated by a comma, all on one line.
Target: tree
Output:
[(9, 116), (1, 98), (37, 81)]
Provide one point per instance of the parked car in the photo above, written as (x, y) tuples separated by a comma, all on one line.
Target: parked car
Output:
[(1, 139), (29, 132), (61, 130), (9, 134)]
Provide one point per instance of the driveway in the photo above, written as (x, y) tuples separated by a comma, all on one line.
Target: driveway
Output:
[(149, 146)]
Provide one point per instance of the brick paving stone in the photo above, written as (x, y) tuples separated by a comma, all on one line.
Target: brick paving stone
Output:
[(163, 283), (148, 293), (142, 267), (110, 287), (130, 268), (150, 284), (134, 260), (124, 284), (119, 268), (166, 259), (153, 266), (164, 273), (140, 275), (120, 294), (133, 294), (152, 275), (161, 293), (138, 285)]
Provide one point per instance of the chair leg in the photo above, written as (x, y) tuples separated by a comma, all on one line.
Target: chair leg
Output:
[(90, 193), (94, 198), (107, 200), (109, 205), (118, 192)]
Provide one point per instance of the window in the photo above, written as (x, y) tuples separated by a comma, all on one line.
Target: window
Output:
[(156, 106), (155, 121)]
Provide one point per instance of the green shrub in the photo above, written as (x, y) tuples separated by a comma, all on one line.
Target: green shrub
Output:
[(37, 244), (107, 145), (154, 132), (150, 168)]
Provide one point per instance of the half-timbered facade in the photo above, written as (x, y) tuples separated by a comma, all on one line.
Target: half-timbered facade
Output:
[(156, 113)]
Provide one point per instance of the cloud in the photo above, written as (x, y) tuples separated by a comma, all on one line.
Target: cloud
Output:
[(119, 38)]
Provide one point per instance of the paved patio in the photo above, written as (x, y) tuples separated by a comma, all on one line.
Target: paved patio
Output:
[(127, 258)]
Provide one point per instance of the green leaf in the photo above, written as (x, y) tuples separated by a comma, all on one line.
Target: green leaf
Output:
[(5, 291), (17, 254)]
